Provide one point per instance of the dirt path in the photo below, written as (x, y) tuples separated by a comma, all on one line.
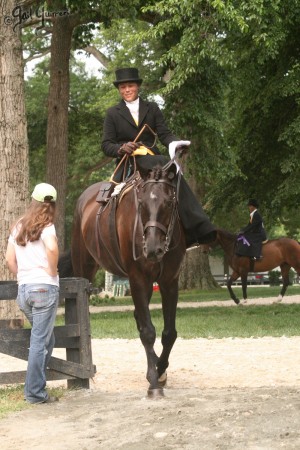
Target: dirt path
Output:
[(222, 394)]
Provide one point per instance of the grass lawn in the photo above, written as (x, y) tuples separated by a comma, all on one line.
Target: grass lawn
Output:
[(12, 399), (207, 322)]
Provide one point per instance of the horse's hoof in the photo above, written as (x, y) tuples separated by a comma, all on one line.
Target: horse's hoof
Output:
[(279, 299), (236, 301), (162, 381), (155, 393)]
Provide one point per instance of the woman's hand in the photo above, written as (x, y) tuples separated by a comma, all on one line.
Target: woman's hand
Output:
[(128, 148)]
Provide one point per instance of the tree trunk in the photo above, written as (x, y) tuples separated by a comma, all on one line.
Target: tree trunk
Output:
[(13, 144), (195, 272), (57, 130)]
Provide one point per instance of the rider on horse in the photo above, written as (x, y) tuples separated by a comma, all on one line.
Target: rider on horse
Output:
[(134, 117), (252, 236)]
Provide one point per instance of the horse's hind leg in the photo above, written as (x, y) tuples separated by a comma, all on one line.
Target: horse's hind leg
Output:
[(285, 269), (244, 279)]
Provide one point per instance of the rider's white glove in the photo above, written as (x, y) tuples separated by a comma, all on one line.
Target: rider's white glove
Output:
[(172, 149)]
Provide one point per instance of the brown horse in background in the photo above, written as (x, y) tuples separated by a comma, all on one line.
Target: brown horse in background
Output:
[(283, 252), (138, 235)]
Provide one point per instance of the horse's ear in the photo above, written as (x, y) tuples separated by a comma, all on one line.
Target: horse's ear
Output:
[(149, 174), (172, 172)]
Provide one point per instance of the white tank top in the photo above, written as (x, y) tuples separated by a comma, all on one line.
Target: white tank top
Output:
[(32, 259)]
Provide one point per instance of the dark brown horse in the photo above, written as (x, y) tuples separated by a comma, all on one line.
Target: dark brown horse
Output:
[(138, 234), (283, 252)]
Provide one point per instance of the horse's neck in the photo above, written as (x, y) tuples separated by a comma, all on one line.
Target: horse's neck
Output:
[(228, 244)]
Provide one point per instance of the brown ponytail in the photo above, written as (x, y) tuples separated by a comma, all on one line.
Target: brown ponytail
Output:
[(36, 218)]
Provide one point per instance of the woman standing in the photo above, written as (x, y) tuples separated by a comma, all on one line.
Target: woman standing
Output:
[(32, 255)]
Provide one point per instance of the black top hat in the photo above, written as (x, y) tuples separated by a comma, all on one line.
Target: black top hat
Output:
[(253, 202), (129, 74)]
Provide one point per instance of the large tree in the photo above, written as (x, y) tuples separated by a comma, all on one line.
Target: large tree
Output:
[(13, 140)]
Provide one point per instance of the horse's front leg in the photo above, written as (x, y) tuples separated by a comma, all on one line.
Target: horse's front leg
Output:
[(141, 294), (233, 278), (169, 295)]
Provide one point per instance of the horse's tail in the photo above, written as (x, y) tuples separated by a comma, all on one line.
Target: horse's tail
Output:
[(65, 268)]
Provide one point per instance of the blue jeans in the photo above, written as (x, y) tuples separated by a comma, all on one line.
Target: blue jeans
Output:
[(39, 303)]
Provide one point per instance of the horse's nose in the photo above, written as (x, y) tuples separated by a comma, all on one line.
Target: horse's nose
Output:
[(154, 244), (154, 255)]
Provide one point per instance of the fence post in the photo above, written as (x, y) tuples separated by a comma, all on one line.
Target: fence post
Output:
[(78, 312)]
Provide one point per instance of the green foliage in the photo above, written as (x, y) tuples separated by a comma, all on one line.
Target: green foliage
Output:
[(256, 45), (193, 31), (274, 276), (264, 104), (96, 300), (36, 93), (99, 280)]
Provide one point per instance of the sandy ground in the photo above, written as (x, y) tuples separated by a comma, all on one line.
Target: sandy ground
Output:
[(221, 394)]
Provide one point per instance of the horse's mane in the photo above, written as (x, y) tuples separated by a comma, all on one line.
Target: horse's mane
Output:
[(156, 173)]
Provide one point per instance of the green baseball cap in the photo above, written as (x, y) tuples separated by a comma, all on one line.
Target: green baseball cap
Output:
[(44, 192)]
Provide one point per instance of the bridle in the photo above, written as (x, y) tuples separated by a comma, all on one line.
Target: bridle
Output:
[(168, 231)]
